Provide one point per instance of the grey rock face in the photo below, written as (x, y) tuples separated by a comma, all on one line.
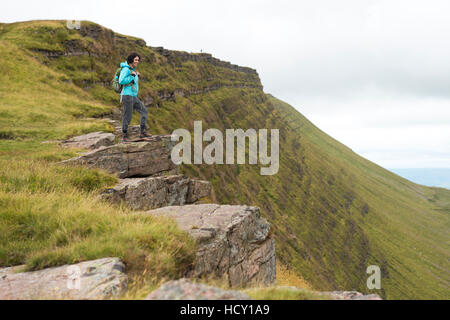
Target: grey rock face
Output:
[(98, 279), (184, 289), (136, 159), (156, 192), (234, 242), (198, 189), (93, 140)]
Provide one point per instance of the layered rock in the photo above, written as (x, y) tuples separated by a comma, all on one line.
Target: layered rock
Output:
[(136, 159), (170, 95), (185, 289), (198, 189), (97, 279), (234, 242), (204, 57), (93, 140), (156, 192)]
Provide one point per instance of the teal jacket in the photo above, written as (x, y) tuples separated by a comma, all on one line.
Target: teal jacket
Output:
[(130, 83)]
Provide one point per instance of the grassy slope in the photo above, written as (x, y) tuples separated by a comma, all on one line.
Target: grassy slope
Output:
[(406, 224), (50, 214), (333, 212)]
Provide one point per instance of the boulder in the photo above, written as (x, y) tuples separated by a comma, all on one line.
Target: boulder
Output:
[(234, 242), (135, 159), (93, 140), (185, 289), (156, 192), (97, 279)]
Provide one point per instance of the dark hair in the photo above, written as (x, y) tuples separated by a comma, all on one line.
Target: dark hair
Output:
[(131, 57)]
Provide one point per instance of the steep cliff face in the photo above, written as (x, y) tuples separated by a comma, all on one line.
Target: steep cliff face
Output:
[(333, 213), (89, 56)]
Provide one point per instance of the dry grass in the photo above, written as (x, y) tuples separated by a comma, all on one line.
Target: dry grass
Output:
[(287, 277)]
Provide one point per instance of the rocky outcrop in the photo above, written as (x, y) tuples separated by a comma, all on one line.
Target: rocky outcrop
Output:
[(184, 56), (93, 140), (234, 242), (97, 279), (149, 159), (156, 192), (185, 289), (137, 159), (97, 32)]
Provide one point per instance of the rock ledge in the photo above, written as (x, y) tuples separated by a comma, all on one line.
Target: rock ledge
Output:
[(234, 242), (98, 279)]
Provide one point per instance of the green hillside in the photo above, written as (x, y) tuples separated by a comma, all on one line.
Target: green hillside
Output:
[(333, 212)]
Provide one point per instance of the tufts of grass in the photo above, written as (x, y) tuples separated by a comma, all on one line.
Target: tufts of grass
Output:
[(51, 215), (34, 176), (287, 277)]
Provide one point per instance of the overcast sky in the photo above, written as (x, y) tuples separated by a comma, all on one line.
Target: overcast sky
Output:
[(373, 74)]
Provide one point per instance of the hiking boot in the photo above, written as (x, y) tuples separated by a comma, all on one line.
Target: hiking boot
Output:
[(145, 135), (125, 138)]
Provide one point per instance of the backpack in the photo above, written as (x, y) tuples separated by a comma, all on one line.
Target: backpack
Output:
[(117, 87)]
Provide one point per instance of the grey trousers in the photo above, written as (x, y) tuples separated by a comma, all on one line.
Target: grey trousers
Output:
[(130, 103)]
